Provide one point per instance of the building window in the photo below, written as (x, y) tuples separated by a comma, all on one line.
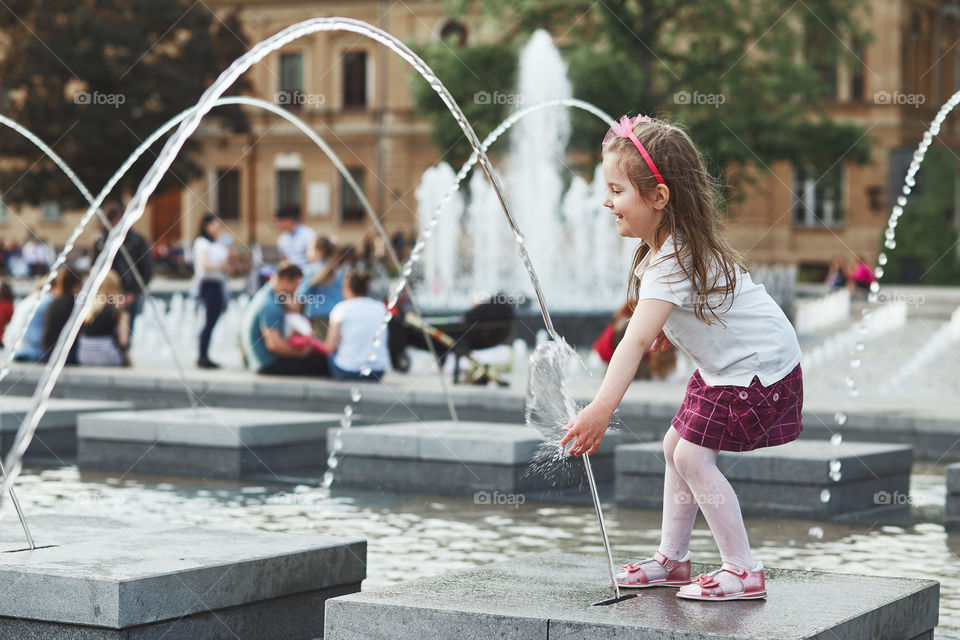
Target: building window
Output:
[(355, 79), (50, 211), (228, 194), (288, 189), (818, 200), (856, 73), (291, 80), (350, 208)]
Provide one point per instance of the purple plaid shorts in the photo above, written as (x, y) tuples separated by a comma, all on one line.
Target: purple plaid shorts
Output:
[(734, 418)]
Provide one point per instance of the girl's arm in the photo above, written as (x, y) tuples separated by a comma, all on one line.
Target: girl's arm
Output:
[(644, 328)]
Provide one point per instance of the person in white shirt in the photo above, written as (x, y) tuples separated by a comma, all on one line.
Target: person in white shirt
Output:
[(692, 287), (354, 323), (296, 240), (211, 262)]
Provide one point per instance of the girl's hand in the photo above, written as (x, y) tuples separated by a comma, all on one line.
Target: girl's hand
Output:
[(660, 343), (588, 428)]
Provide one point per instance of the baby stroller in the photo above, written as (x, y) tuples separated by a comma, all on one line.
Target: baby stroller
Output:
[(485, 325)]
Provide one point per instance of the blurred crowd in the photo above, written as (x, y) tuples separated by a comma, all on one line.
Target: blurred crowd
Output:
[(315, 306)]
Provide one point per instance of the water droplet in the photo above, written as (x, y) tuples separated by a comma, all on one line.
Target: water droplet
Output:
[(874, 286), (327, 479), (332, 462), (840, 418), (835, 465), (355, 394), (855, 363), (882, 258), (878, 272), (835, 476), (836, 439), (348, 410), (825, 496), (372, 357), (850, 382), (337, 443), (816, 532), (345, 422), (902, 201), (365, 371), (859, 346)]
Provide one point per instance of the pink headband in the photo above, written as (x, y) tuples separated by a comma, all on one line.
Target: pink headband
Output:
[(624, 129)]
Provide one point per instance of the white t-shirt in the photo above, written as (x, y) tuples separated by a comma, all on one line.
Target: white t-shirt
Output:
[(758, 339), (207, 251), (294, 246), (359, 319)]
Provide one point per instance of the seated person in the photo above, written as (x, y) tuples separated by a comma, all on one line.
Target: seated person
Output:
[(31, 348), (354, 323), (57, 314), (297, 328), (262, 327), (105, 335)]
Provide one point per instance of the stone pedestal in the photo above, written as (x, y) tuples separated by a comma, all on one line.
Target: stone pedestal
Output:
[(951, 520), (789, 480), (460, 458), (56, 435), (103, 579), (209, 442), (550, 595)]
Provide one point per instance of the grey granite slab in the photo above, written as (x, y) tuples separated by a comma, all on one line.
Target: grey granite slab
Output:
[(550, 595), (110, 574), (800, 461), (207, 427), (60, 412), (480, 442)]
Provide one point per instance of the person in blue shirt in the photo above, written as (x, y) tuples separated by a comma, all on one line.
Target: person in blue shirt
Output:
[(31, 349), (322, 285), (265, 349)]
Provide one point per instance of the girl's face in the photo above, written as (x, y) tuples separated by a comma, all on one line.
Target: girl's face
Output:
[(635, 216)]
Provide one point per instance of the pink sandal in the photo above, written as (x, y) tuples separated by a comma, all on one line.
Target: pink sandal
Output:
[(754, 585), (678, 573)]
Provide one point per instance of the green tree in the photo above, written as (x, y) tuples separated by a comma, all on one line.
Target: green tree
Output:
[(480, 78), (926, 234), (746, 79), (94, 78)]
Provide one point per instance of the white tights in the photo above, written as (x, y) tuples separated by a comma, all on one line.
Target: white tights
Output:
[(692, 481)]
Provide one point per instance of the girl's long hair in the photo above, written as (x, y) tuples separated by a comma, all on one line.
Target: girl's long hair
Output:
[(109, 294), (689, 216)]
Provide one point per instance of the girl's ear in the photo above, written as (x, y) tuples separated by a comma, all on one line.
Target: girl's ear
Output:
[(661, 197)]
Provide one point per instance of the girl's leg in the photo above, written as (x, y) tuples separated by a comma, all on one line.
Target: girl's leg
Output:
[(679, 512), (679, 506), (698, 467)]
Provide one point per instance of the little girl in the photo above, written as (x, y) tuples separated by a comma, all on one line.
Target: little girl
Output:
[(693, 289)]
